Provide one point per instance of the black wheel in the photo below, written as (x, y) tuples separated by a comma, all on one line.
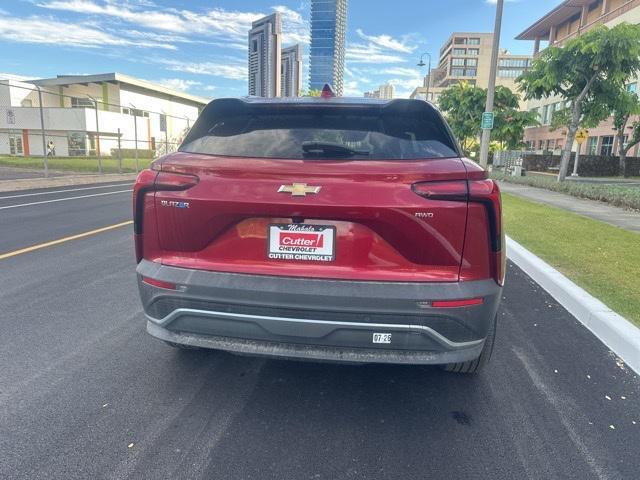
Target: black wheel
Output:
[(473, 366), (180, 346)]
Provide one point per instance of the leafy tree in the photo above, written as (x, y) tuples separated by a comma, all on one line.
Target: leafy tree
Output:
[(510, 122), (314, 92), (582, 72), (625, 105), (463, 105)]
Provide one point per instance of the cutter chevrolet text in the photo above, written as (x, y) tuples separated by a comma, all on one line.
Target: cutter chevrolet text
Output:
[(325, 228)]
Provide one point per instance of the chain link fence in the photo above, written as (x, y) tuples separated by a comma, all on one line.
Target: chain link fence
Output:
[(53, 131)]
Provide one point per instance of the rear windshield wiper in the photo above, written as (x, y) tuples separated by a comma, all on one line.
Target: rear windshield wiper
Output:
[(327, 149)]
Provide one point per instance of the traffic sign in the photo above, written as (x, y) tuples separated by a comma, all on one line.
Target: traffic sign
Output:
[(487, 121), (581, 136)]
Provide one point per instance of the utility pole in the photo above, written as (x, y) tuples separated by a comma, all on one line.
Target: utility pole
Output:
[(488, 116), (44, 140), (135, 134)]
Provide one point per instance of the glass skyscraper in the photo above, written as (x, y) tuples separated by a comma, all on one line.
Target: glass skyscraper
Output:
[(328, 28)]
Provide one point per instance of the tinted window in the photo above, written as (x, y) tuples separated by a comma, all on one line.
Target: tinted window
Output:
[(404, 129)]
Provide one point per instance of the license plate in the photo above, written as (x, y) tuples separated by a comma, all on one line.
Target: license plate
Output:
[(298, 241), (381, 338)]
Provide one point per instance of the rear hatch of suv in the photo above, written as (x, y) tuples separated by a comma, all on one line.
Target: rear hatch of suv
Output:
[(313, 188)]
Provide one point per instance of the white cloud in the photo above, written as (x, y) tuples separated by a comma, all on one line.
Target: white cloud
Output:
[(179, 84), (386, 42), (370, 53), (227, 25), (352, 89), (49, 31), (215, 69), (295, 28), (401, 71), (12, 76), (149, 18)]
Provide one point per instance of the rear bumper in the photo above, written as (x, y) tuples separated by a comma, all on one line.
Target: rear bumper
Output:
[(317, 319)]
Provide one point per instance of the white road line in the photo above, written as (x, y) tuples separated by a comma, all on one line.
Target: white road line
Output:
[(65, 191), (65, 199)]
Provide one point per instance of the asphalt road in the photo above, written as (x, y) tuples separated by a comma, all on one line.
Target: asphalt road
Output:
[(85, 393)]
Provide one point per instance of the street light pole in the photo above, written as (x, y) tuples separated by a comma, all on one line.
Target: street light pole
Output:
[(486, 132), (44, 140), (422, 64)]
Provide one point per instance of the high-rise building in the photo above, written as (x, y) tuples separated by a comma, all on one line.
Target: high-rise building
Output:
[(291, 71), (264, 57), (466, 57), (328, 28), (384, 91)]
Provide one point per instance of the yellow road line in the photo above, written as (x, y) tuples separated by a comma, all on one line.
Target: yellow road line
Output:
[(63, 240)]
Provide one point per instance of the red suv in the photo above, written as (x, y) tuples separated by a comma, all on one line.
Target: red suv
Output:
[(332, 229)]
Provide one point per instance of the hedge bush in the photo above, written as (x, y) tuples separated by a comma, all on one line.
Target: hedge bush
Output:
[(131, 153), (589, 165), (618, 195)]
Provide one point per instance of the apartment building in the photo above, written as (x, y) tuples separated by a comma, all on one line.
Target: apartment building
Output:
[(466, 56), (265, 50), (385, 92), (291, 81), (132, 113), (567, 21)]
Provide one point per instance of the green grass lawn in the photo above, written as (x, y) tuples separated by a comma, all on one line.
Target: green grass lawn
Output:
[(602, 259), (75, 164)]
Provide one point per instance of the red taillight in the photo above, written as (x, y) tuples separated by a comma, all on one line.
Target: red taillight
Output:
[(175, 181), (468, 302), (159, 283), (454, 191), (152, 181), (487, 192), (484, 191)]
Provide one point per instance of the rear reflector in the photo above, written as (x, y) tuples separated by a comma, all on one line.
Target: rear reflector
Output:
[(159, 283), (469, 302)]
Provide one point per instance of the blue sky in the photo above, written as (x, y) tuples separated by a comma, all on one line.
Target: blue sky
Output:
[(200, 46)]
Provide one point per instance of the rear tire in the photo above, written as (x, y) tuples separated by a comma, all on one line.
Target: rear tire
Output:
[(474, 366), (180, 346)]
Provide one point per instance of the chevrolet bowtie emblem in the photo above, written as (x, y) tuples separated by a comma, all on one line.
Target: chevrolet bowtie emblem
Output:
[(298, 189)]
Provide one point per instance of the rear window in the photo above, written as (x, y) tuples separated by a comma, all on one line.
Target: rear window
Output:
[(403, 129)]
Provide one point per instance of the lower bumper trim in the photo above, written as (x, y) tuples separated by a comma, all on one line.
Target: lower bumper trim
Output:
[(315, 352), (311, 327)]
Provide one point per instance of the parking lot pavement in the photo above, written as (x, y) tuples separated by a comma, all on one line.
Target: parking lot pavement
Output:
[(86, 393)]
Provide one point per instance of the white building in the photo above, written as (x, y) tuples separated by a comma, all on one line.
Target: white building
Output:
[(265, 57), (131, 113), (385, 92), (291, 80)]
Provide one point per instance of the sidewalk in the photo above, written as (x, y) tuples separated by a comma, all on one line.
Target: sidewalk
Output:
[(615, 216), (12, 185)]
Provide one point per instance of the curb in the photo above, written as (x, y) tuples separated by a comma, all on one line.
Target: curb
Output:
[(615, 331)]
